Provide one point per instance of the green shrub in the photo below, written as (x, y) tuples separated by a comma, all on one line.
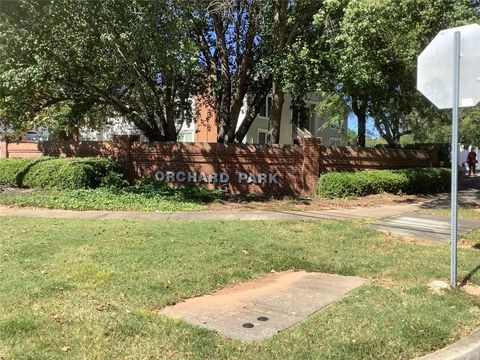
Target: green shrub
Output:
[(408, 181), (65, 173), (73, 173), (13, 171), (427, 181)]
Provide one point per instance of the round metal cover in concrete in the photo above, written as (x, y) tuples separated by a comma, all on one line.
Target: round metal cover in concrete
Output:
[(258, 309), (435, 67)]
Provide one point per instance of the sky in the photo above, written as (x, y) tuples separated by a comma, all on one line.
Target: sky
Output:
[(352, 124)]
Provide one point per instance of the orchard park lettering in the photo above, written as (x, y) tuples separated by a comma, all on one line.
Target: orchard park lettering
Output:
[(216, 177)]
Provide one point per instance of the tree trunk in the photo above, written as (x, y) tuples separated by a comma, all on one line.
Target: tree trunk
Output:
[(62, 135), (253, 108), (234, 115), (276, 118), (171, 130), (360, 110), (222, 127), (75, 134), (224, 94), (152, 133), (362, 123), (393, 140), (280, 31), (171, 134)]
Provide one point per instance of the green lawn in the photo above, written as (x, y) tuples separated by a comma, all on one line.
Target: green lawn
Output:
[(82, 289)]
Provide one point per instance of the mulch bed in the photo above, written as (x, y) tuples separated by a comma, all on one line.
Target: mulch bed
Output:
[(245, 204)]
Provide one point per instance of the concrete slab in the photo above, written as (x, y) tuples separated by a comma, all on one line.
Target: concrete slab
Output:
[(252, 215), (256, 310), (423, 226)]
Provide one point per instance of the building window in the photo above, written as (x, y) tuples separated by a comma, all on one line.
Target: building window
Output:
[(262, 136), (266, 108), (335, 142), (303, 116), (32, 136), (335, 126), (185, 136)]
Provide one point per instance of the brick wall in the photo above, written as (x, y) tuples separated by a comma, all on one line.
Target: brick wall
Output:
[(292, 169), (345, 158), (26, 149), (251, 169), (22, 149)]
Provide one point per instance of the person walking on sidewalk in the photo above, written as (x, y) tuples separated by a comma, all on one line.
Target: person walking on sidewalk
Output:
[(472, 161)]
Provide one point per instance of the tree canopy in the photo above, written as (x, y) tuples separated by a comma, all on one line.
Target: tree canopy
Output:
[(243, 45), (369, 58), (85, 58), (74, 63)]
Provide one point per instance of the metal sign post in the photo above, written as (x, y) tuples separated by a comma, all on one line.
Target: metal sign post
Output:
[(454, 158), (437, 71)]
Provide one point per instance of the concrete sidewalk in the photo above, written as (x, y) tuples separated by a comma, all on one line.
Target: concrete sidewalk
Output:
[(340, 214), (469, 195), (423, 226)]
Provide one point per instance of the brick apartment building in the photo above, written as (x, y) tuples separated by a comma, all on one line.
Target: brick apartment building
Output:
[(204, 129)]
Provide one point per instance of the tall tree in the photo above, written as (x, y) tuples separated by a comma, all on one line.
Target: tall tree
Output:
[(243, 44), (342, 74), (370, 57), (278, 95), (400, 109), (469, 128), (291, 20), (129, 58), (227, 34)]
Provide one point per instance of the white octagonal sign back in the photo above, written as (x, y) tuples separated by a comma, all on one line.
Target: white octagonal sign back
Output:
[(436, 62)]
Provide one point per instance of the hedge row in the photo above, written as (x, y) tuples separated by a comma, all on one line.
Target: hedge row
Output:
[(12, 171), (407, 181), (65, 173)]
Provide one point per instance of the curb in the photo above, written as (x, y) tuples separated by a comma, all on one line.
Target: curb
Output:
[(466, 349)]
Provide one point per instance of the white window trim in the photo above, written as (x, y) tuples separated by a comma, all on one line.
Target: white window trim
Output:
[(267, 100), (182, 136), (264, 131), (335, 139)]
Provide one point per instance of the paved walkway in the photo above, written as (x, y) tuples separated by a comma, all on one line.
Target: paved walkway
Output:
[(341, 214), (394, 219), (434, 227), (423, 226)]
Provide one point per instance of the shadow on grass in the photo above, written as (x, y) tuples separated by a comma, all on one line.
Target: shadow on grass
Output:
[(467, 278), (264, 198)]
